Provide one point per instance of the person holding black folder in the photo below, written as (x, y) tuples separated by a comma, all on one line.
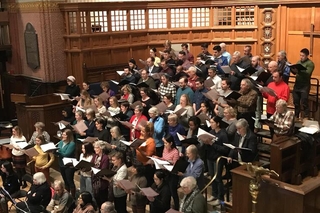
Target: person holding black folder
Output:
[(246, 104), (171, 154), (99, 185), (146, 79), (160, 203), (215, 149), (245, 138), (137, 199), (236, 76), (302, 84)]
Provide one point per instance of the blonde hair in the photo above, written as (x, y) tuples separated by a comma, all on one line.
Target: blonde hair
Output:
[(231, 111), (187, 99)]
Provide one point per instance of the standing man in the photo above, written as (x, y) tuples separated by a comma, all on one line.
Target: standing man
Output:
[(236, 76), (212, 75), (219, 59), (224, 52), (302, 84), (198, 97), (150, 66), (204, 51), (146, 79), (282, 91), (247, 53), (185, 62), (204, 69), (183, 89)]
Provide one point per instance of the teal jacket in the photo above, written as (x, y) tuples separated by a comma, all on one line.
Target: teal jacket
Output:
[(67, 151)]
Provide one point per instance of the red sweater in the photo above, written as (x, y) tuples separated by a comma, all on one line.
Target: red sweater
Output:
[(282, 90)]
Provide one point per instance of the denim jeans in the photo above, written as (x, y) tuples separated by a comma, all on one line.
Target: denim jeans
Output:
[(85, 184), (217, 184)]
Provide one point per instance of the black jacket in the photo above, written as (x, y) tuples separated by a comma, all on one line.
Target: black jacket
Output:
[(161, 202), (10, 182), (249, 142), (73, 90), (39, 195), (217, 149)]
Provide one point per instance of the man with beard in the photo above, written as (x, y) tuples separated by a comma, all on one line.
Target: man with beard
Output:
[(183, 89), (146, 79)]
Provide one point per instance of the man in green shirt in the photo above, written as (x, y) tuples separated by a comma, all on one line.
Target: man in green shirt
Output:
[(301, 87)]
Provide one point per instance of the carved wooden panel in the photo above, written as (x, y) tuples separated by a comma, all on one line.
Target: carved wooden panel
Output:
[(267, 34), (100, 41), (139, 38), (120, 39), (179, 36)]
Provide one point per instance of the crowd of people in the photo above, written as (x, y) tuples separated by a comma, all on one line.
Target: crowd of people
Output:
[(166, 106)]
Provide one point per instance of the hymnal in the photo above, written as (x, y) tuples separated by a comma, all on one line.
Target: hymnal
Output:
[(80, 127), (189, 141), (120, 116), (4, 141), (135, 144), (63, 96), (204, 135), (126, 184), (232, 95), (248, 71), (127, 124), (234, 147), (181, 112), (263, 77), (155, 76), (142, 84), (299, 67), (268, 90), (103, 172), (211, 94), (158, 163), (204, 118), (31, 152), (226, 69), (309, 130), (162, 107), (208, 83), (120, 73), (90, 139), (48, 147), (180, 166), (104, 96), (23, 145), (149, 192), (80, 109)]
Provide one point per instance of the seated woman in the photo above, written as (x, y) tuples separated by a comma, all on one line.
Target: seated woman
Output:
[(72, 88), (85, 100), (283, 119), (100, 107), (79, 115), (153, 53), (186, 104), (10, 183), (138, 200), (86, 87), (100, 131), (38, 197), (39, 131), (85, 203), (168, 100), (113, 109), (127, 93), (105, 86), (192, 201), (91, 116), (43, 160), (160, 203), (68, 115)]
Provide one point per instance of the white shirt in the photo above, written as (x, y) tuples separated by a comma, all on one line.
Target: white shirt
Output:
[(217, 82), (13, 142), (240, 146)]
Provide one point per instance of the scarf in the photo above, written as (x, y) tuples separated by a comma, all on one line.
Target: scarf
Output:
[(187, 201)]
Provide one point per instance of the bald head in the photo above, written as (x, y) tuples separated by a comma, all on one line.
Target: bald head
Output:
[(223, 46), (272, 66), (255, 61)]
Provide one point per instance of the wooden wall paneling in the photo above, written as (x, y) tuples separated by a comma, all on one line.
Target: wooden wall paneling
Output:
[(203, 36), (76, 64), (85, 42), (299, 18), (119, 56), (119, 40), (180, 36), (139, 38), (141, 53), (157, 37)]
